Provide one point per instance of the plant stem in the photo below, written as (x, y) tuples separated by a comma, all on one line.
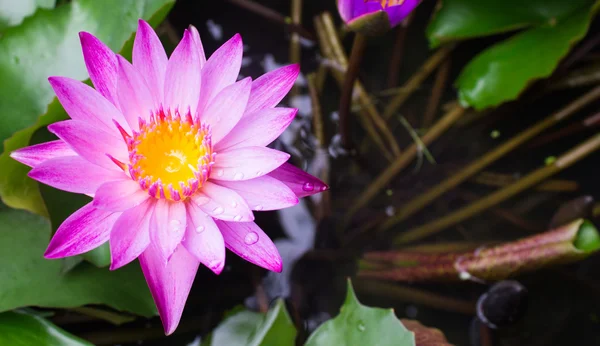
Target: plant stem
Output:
[(499, 180), (273, 16), (398, 53), (402, 161), (441, 79), (564, 161), (295, 49), (358, 50), (418, 203), (416, 80), (585, 124)]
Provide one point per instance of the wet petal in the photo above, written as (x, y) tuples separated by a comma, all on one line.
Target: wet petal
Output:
[(246, 163), (263, 193), (168, 226), (249, 242), (119, 195), (36, 154), (302, 183), (226, 109), (222, 203), (150, 59), (101, 64), (130, 235), (269, 89), (203, 239), (182, 82), (73, 174), (169, 283), (84, 230)]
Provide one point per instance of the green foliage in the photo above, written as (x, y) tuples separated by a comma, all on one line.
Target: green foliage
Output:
[(20, 329), (587, 238), (500, 73), (358, 324), (13, 12), (28, 279)]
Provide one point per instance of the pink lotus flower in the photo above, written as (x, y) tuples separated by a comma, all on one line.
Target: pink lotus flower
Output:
[(375, 16), (173, 152)]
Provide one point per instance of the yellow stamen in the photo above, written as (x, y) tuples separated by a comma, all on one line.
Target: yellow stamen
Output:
[(387, 3)]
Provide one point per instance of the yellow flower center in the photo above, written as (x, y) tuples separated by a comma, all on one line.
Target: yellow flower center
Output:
[(387, 3), (170, 156)]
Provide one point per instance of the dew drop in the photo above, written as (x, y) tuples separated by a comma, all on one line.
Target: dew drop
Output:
[(259, 173), (234, 204), (238, 176), (259, 207), (361, 326), (200, 229), (323, 188), (220, 172), (218, 210), (175, 225), (308, 187), (237, 218), (251, 238)]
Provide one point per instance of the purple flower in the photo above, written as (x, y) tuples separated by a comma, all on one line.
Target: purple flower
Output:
[(375, 16), (173, 151)]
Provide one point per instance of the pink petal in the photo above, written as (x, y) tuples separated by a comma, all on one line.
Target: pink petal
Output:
[(73, 174), (134, 96), (119, 195), (101, 64), (258, 129), (302, 183), (221, 70), (169, 283), (198, 43), (182, 83), (222, 203), (203, 239), (36, 154), (91, 143), (249, 242), (226, 109), (130, 235), (246, 163), (85, 104), (269, 89), (150, 59), (263, 193), (84, 230), (167, 226)]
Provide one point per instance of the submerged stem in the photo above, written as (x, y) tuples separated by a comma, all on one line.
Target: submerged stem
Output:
[(356, 56)]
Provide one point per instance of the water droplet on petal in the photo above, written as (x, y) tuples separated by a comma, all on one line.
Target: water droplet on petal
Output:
[(220, 172), (234, 204), (308, 187), (238, 176), (174, 225), (237, 218), (200, 229), (259, 173), (251, 238), (218, 210), (259, 207), (323, 188)]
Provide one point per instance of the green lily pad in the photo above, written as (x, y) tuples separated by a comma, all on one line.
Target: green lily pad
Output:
[(13, 12), (503, 71), (358, 324), (21, 329), (47, 44), (247, 328), (28, 279)]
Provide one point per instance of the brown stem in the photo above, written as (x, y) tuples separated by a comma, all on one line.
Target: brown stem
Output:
[(572, 129), (358, 50), (441, 79), (499, 180), (295, 49), (398, 53)]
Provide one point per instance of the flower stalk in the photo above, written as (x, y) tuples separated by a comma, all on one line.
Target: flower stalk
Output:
[(566, 244)]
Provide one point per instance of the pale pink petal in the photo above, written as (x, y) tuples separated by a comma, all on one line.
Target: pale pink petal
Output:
[(119, 195), (221, 70), (36, 154), (167, 227), (258, 129), (73, 174), (84, 230), (249, 242), (226, 109), (130, 235), (198, 43), (134, 96), (92, 143), (150, 59), (101, 64), (302, 183), (269, 89), (182, 83), (246, 163), (222, 203), (85, 104), (263, 193), (169, 283), (203, 239)]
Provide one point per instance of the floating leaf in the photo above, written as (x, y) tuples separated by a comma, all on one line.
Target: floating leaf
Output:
[(20, 329), (361, 325), (13, 12), (247, 328), (48, 44), (28, 279)]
